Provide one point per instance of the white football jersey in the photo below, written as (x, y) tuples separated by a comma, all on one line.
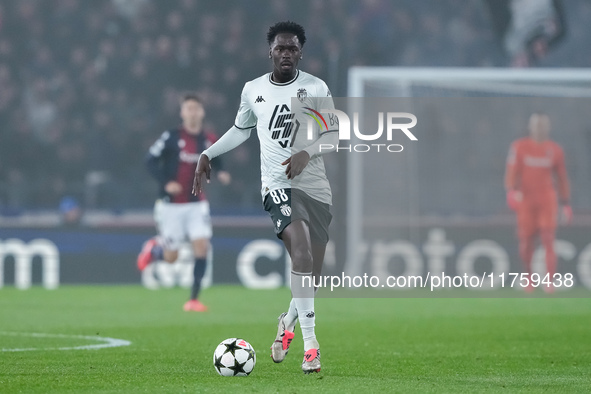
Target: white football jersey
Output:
[(283, 130)]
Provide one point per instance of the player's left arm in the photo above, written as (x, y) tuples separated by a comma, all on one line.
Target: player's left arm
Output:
[(326, 142), (513, 176), (563, 185)]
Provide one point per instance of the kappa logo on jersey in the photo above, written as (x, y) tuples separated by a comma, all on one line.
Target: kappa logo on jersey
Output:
[(302, 94), (282, 126), (278, 223), (259, 99), (285, 210)]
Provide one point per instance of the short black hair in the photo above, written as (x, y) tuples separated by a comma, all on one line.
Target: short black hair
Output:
[(286, 27), (190, 96)]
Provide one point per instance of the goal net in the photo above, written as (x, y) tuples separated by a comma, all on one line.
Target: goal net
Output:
[(467, 119)]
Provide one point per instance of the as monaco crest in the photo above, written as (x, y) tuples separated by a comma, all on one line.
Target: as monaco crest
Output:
[(285, 210), (302, 94)]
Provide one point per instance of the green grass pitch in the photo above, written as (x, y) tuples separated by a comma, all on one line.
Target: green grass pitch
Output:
[(368, 345)]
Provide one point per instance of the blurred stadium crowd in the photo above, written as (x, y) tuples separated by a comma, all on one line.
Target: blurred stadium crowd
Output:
[(87, 86)]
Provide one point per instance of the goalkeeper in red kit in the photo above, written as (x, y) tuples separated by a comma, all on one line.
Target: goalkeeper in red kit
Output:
[(535, 164)]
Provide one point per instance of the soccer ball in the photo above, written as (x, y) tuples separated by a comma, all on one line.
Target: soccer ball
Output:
[(234, 357)]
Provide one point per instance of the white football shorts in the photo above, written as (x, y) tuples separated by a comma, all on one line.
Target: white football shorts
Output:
[(182, 221)]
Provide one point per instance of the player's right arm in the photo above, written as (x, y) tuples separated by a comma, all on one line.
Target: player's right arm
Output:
[(156, 154), (243, 124), (512, 176), (230, 140)]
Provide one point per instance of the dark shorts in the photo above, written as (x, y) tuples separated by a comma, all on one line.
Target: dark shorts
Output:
[(285, 205)]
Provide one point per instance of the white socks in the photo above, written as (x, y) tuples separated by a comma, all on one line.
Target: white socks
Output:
[(303, 301), (291, 317)]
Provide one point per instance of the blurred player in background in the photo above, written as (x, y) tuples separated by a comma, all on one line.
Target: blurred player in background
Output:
[(529, 181), (295, 190), (179, 214)]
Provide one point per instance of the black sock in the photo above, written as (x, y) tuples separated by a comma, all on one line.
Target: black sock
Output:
[(198, 272)]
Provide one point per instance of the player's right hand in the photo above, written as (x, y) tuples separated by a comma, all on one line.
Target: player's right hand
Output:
[(203, 167), (514, 198)]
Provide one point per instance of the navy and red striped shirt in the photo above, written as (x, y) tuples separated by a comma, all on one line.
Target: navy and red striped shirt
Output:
[(174, 157)]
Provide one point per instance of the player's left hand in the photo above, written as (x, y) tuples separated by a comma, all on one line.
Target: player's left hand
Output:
[(296, 164), (567, 214)]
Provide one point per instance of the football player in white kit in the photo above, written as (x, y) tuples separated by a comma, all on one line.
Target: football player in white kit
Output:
[(295, 189)]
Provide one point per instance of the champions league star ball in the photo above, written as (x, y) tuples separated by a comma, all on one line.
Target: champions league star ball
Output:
[(234, 357)]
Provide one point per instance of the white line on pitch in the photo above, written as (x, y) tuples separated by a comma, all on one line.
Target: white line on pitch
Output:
[(107, 342)]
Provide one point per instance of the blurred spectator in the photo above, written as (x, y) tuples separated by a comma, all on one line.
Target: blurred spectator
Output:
[(70, 211)]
